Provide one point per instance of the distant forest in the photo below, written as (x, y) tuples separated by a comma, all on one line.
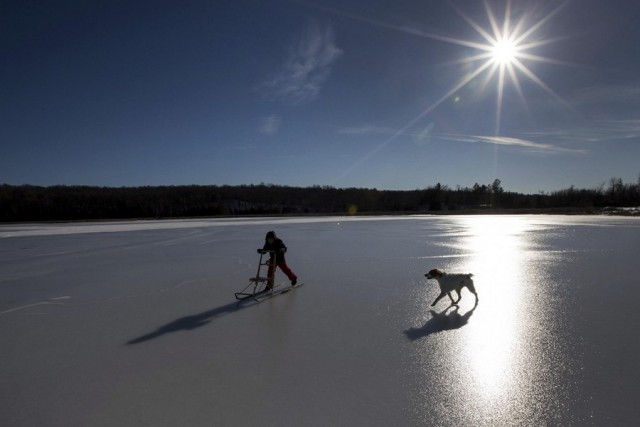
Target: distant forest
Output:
[(54, 203)]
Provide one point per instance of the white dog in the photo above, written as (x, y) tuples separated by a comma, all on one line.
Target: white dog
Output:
[(451, 282)]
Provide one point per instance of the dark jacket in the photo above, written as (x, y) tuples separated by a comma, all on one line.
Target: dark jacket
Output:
[(278, 246)]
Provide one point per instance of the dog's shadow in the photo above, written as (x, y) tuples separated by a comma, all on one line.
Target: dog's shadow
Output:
[(446, 320)]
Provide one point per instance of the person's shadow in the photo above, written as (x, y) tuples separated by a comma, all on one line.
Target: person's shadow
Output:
[(189, 323), (444, 321)]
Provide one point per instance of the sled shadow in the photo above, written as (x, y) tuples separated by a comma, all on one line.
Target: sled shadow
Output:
[(189, 323), (444, 321)]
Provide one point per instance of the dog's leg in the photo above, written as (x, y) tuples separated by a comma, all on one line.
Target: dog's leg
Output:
[(451, 298), (442, 294), (473, 291), (459, 296)]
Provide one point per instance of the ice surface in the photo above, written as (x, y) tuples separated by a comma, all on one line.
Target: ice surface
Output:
[(135, 323)]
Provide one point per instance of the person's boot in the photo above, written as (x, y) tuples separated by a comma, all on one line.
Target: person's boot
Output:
[(269, 285)]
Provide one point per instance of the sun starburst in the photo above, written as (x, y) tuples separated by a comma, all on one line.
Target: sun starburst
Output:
[(505, 53)]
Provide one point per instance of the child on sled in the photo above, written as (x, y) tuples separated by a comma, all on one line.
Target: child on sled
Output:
[(277, 249)]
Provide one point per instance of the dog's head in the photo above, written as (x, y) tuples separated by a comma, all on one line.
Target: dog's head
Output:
[(434, 274)]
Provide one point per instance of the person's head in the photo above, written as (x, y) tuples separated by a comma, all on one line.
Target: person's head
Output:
[(270, 237)]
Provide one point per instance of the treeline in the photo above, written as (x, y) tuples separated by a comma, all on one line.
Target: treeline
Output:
[(35, 203)]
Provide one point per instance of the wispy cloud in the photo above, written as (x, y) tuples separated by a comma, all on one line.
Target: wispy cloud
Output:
[(306, 67), (428, 133), (623, 128), (597, 131), (367, 130), (270, 125), (513, 142)]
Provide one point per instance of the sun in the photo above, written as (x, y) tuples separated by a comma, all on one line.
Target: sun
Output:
[(504, 52), (507, 50)]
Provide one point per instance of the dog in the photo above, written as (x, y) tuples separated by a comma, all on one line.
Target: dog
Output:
[(451, 282)]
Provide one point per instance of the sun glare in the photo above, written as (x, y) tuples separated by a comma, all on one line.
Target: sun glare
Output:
[(504, 52), (494, 348), (507, 51)]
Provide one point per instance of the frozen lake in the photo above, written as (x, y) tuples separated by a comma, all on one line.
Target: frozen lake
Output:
[(135, 323)]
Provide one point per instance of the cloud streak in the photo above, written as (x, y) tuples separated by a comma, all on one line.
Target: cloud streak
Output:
[(511, 142), (495, 140), (306, 68), (597, 132)]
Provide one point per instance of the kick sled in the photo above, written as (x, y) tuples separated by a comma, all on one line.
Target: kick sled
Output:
[(257, 288)]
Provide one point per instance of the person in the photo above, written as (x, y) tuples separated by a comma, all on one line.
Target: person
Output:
[(277, 249)]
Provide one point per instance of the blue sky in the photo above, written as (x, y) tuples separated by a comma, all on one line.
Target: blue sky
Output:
[(378, 94)]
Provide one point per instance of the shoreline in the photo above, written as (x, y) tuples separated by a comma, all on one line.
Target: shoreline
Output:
[(606, 211)]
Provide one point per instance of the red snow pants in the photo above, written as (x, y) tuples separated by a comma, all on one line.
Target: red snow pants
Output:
[(285, 269)]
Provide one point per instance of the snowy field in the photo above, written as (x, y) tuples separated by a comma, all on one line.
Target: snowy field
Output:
[(136, 324)]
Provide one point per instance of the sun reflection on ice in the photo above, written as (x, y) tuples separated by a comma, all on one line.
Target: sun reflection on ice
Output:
[(493, 344)]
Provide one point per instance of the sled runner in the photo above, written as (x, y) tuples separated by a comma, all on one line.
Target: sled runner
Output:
[(260, 291)]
